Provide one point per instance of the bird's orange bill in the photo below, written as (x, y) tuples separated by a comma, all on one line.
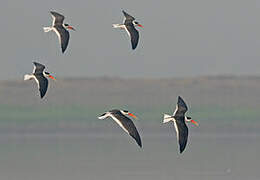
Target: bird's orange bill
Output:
[(194, 122), (50, 76), (130, 114), (140, 25), (70, 27)]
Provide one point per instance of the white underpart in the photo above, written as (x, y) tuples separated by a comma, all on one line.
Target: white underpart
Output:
[(175, 110), (53, 20), (119, 123), (128, 32), (37, 82), (34, 68), (58, 34), (121, 26), (31, 76), (168, 118), (176, 129), (47, 29), (114, 118)]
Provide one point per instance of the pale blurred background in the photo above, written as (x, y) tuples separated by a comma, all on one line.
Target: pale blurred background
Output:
[(205, 51), (180, 38)]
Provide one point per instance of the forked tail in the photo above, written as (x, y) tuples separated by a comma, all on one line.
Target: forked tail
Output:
[(47, 29), (167, 118), (104, 116), (121, 26), (28, 77)]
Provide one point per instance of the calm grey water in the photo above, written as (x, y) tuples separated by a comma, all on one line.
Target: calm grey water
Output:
[(106, 152)]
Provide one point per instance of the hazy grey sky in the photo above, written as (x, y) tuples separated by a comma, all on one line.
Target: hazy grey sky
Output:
[(179, 38)]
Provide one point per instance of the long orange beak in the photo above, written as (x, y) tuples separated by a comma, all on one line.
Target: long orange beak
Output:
[(130, 114), (70, 27), (194, 122), (140, 25), (50, 76)]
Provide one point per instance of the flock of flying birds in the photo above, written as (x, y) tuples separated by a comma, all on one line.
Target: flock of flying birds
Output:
[(121, 117)]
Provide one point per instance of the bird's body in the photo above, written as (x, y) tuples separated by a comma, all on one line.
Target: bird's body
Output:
[(129, 25), (119, 116), (179, 119), (40, 77), (60, 29)]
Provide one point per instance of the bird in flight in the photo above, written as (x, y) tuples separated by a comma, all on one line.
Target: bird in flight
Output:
[(179, 120), (129, 25), (60, 29), (40, 76), (120, 116)]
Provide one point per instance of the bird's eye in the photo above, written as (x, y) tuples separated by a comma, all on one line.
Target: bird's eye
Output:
[(47, 73), (125, 111), (136, 22), (66, 25), (188, 117)]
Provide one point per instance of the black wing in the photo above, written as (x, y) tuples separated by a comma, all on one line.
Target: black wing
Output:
[(128, 124), (42, 84), (128, 18), (182, 135), (134, 35), (58, 18), (64, 37), (38, 68), (182, 107)]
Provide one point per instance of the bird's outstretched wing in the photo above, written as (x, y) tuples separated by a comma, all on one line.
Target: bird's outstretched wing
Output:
[(42, 84), (134, 35), (38, 68), (57, 18), (181, 107), (182, 133), (64, 37), (128, 126), (128, 18)]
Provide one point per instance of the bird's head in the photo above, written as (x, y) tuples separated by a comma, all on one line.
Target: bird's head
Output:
[(125, 112), (188, 119), (67, 26), (137, 24), (47, 74)]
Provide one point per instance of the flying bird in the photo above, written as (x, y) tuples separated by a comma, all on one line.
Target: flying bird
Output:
[(120, 116), (40, 76), (129, 26), (60, 29), (179, 120)]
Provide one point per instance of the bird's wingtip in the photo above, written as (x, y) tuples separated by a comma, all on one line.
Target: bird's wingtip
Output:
[(139, 142)]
